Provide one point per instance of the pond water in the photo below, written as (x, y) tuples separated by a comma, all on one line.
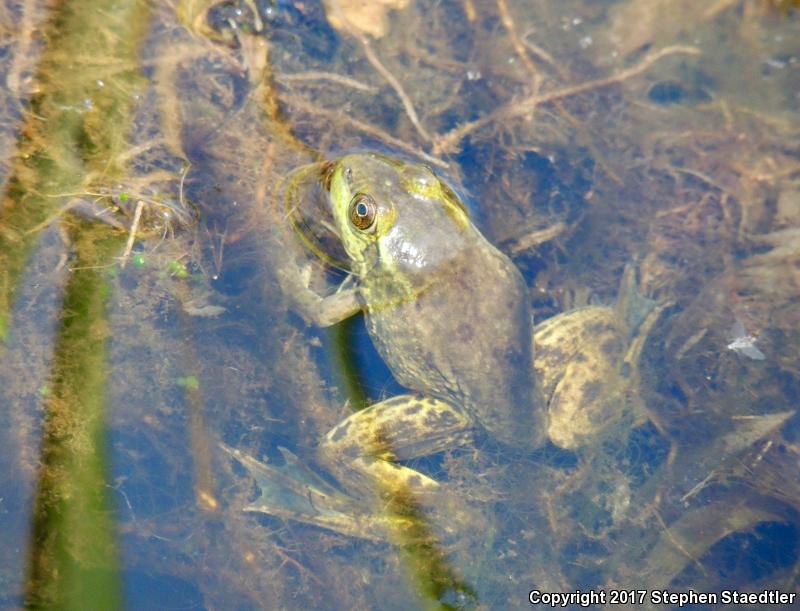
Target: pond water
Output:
[(164, 390)]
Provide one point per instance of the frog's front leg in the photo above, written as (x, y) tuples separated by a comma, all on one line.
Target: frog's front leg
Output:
[(361, 450), (318, 310), (329, 310)]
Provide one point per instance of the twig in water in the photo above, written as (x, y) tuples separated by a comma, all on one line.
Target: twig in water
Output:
[(132, 235), (181, 199), (398, 88), (325, 76), (304, 105), (408, 106), (508, 24), (517, 108)]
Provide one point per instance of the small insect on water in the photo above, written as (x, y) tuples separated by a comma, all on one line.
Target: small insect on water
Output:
[(743, 343)]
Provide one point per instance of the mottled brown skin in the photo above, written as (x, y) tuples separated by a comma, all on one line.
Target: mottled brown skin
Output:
[(465, 338), (578, 361)]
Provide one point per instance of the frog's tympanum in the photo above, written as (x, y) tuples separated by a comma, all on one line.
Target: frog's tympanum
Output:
[(449, 313)]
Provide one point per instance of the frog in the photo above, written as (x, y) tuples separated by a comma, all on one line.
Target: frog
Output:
[(450, 315)]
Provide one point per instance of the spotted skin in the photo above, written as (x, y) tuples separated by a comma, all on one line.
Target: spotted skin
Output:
[(361, 449), (586, 363)]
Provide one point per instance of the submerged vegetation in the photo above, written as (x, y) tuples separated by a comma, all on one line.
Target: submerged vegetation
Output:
[(143, 268)]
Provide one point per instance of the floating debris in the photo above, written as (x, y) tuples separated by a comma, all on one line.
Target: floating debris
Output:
[(743, 343), (194, 308)]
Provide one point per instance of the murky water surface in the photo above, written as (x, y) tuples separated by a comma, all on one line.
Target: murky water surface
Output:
[(158, 376)]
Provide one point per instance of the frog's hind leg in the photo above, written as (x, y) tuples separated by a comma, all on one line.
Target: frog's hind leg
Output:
[(361, 451)]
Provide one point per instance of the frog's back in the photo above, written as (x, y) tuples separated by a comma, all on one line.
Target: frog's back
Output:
[(465, 337)]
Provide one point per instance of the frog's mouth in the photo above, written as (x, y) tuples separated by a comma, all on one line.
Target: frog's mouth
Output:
[(308, 209)]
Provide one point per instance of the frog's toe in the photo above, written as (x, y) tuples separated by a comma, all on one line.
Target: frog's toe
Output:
[(632, 306)]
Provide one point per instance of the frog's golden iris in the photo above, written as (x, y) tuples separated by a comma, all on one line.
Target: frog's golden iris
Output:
[(362, 211)]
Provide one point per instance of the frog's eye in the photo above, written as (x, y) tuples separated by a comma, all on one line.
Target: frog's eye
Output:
[(362, 211)]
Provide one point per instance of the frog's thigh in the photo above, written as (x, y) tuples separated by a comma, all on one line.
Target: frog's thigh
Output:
[(570, 337), (360, 450), (572, 406)]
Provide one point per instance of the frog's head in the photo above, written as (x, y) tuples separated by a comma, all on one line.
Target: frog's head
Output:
[(396, 215)]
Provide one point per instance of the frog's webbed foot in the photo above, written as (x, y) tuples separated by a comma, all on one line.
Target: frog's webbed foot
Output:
[(292, 491), (632, 306), (362, 449)]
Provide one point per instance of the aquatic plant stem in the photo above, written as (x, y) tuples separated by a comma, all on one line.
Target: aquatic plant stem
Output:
[(72, 559), (76, 128)]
